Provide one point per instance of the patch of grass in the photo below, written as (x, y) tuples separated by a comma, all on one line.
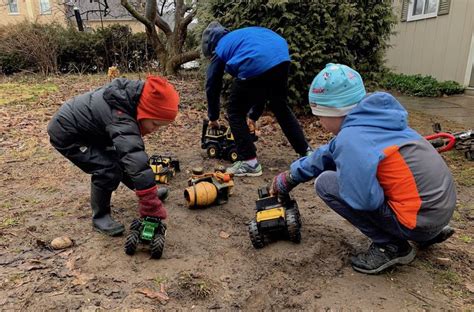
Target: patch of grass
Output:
[(160, 280), (22, 92), (465, 238), (449, 277), (9, 222), (198, 286)]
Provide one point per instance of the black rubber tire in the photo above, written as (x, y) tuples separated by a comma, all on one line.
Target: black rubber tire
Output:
[(135, 225), (255, 237), (133, 239), (213, 151), (293, 225), (157, 245), (232, 154)]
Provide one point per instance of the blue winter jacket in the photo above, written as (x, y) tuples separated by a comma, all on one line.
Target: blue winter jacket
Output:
[(244, 53), (378, 159)]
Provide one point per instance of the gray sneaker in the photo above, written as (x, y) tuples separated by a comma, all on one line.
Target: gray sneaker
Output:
[(242, 169)]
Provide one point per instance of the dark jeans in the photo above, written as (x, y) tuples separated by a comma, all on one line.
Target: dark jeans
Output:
[(381, 225), (102, 164), (271, 86)]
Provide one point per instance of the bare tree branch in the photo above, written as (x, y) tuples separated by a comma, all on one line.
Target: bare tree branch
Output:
[(148, 24), (163, 25), (185, 57)]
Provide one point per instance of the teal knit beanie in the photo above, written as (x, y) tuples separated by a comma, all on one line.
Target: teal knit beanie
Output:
[(335, 91)]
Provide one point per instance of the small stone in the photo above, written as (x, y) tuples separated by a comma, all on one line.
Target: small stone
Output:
[(317, 295), (62, 242), (443, 261)]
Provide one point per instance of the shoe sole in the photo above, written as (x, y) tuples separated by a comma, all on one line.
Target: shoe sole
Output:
[(117, 232), (256, 174), (401, 260), (442, 238)]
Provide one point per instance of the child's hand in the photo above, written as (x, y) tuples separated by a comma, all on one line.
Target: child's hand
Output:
[(149, 205), (282, 184), (252, 124), (214, 124)]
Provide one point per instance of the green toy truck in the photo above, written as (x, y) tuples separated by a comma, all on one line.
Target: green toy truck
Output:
[(148, 230)]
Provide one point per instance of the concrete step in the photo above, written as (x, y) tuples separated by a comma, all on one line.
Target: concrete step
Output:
[(469, 91)]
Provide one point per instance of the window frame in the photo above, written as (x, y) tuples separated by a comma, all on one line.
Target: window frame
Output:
[(49, 12), (9, 8), (411, 5)]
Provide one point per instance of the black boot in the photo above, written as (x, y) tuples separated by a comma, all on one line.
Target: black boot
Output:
[(380, 257), (101, 219), (445, 233)]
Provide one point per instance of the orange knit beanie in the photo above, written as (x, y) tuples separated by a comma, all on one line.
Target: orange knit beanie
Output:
[(159, 100)]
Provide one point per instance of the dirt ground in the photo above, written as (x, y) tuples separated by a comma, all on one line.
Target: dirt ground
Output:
[(208, 262)]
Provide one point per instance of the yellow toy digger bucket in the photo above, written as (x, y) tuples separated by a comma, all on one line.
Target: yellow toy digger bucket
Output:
[(200, 195)]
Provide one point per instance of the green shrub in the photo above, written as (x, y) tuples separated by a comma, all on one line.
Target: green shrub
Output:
[(418, 85), (351, 32), (53, 48)]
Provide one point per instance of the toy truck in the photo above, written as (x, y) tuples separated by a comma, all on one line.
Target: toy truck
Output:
[(208, 188), (164, 167), (150, 231), (220, 143), (275, 219)]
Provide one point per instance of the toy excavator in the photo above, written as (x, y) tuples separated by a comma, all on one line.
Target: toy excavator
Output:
[(164, 167), (275, 218), (208, 188)]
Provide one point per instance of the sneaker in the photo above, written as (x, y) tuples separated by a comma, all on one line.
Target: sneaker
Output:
[(242, 169), (445, 233), (380, 257)]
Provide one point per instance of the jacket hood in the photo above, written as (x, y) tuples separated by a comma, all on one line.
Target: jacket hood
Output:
[(379, 110), (211, 36), (123, 94)]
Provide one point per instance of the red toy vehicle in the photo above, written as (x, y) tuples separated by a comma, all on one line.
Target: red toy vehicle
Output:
[(445, 141)]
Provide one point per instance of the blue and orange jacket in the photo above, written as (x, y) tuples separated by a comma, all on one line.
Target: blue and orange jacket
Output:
[(379, 159)]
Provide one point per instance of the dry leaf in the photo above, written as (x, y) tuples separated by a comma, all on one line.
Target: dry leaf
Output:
[(224, 235), (150, 293)]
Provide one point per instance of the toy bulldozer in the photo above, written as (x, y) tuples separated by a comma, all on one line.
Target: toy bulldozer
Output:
[(274, 219), (164, 167), (149, 231), (208, 188), (220, 143)]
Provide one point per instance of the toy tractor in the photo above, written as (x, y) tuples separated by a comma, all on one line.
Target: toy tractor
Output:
[(164, 167), (220, 143), (274, 219), (149, 231), (208, 188)]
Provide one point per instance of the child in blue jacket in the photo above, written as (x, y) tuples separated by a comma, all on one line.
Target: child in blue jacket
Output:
[(377, 173), (258, 59)]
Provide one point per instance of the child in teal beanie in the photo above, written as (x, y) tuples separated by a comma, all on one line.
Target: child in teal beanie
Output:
[(378, 173)]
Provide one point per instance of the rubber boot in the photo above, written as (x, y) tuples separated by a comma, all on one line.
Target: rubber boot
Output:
[(101, 219)]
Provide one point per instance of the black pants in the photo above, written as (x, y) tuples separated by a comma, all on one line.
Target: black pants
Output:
[(271, 86), (101, 163)]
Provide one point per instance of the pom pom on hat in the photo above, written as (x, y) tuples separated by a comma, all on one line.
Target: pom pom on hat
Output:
[(335, 91), (159, 100)]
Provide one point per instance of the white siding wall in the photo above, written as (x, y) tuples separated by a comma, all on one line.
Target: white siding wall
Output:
[(439, 46)]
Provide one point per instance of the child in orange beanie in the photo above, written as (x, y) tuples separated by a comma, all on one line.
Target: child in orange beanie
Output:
[(101, 133)]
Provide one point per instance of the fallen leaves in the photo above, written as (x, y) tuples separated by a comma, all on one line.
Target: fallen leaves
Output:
[(224, 235), (161, 295)]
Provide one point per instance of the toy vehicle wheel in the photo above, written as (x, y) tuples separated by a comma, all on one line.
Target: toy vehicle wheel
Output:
[(469, 155), (293, 225), (132, 242), (135, 225), (232, 155), (255, 237), (157, 245), (197, 171), (219, 168), (213, 151)]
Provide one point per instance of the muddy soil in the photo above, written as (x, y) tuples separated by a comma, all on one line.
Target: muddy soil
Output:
[(208, 262)]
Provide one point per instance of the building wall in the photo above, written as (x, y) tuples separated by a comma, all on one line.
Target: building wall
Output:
[(440, 46), (30, 10)]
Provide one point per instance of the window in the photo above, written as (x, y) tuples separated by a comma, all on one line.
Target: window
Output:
[(420, 9), (45, 8), (13, 6)]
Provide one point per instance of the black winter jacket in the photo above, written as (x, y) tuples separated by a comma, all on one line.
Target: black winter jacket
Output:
[(107, 117)]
